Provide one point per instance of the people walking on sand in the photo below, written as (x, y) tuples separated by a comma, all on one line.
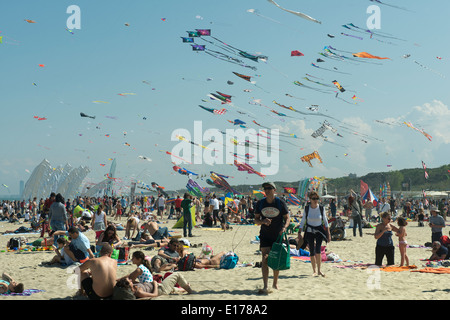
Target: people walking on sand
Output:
[(272, 214)]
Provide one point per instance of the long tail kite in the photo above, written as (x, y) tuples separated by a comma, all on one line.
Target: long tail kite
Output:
[(298, 14)]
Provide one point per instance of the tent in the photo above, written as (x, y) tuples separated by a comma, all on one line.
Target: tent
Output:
[(179, 223), (369, 196), (327, 196)]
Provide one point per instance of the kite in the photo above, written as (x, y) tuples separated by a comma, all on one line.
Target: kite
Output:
[(39, 118), (298, 83), (293, 200), (219, 181), (367, 56), (41, 65), (290, 190), (425, 67), (184, 171), (316, 66), (174, 156), (350, 35), (126, 94), (390, 5), (341, 89), (299, 14), (296, 53), (86, 116), (425, 169), (311, 156), (228, 49), (4, 185), (181, 138), (365, 31), (243, 76), (195, 189), (160, 189), (214, 111), (409, 124), (68, 30), (30, 21), (145, 158), (242, 166), (254, 11), (238, 122)]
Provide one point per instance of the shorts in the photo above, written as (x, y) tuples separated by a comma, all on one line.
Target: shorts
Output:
[(87, 286), (78, 254), (267, 241)]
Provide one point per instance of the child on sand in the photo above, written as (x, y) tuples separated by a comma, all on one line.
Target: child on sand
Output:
[(402, 244)]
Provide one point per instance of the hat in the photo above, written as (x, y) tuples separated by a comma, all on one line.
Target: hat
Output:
[(269, 184), (434, 208)]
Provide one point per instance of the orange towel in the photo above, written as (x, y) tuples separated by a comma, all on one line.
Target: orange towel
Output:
[(434, 270), (398, 269)]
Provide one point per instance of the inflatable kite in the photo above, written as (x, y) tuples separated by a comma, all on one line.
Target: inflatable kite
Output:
[(311, 156)]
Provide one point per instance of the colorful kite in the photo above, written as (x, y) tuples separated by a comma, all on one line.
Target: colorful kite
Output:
[(184, 171), (409, 124), (243, 76), (367, 56), (214, 111), (425, 169), (30, 21), (219, 181), (307, 158), (174, 156), (242, 166), (341, 89)]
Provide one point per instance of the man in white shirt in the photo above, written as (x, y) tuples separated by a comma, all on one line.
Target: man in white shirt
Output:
[(161, 202), (214, 206), (384, 206)]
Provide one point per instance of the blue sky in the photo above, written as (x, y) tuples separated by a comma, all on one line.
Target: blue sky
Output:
[(105, 57)]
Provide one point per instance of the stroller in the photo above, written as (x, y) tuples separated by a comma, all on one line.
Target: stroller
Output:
[(337, 229)]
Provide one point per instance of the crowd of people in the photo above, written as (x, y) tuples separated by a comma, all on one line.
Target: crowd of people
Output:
[(56, 217)]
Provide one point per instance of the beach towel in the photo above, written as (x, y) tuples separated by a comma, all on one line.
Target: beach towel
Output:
[(398, 269), (26, 292), (433, 270)]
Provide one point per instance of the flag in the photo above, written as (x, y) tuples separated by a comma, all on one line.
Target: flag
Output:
[(363, 188)]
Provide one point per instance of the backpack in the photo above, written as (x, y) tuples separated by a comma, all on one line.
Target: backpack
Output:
[(307, 211), (14, 243), (187, 263), (229, 260)]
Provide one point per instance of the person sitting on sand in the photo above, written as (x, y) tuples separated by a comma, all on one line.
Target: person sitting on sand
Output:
[(153, 290), (79, 248), (167, 258), (142, 272), (109, 236), (155, 231), (61, 255), (8, 285), (439, 252), (98, 275)]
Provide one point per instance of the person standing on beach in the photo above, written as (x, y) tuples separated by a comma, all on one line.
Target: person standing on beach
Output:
[(385, 245), (315, 224), (356, 208), (437, 222), (57, 216), (272, 214), (45, 211), (186, 205)]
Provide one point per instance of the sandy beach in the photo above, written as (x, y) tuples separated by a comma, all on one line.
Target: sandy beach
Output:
[(242, 283)]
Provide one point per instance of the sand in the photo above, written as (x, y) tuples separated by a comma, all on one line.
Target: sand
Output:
[(242, 283)]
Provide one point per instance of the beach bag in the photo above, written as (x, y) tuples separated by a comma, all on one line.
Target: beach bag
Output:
[(186, 263), (123, 253), (229, 260), (279, 255)]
